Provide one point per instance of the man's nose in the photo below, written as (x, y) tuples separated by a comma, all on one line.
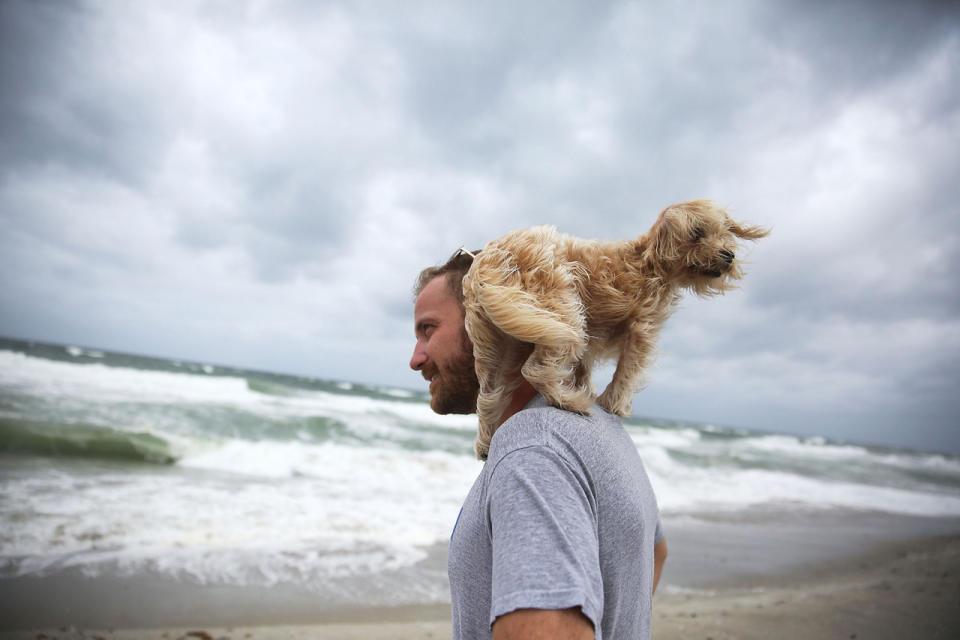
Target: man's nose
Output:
[(419, 357)]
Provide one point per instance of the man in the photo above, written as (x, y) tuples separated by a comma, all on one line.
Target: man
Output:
[(560, 535)]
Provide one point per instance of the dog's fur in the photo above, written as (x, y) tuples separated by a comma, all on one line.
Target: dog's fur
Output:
[(548, 305)]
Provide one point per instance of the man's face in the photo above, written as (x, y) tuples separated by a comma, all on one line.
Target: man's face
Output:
[(443, 353)]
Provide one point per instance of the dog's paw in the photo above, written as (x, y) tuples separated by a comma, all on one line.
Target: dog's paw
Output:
[(568, 400), (621, 406), (580, 408)]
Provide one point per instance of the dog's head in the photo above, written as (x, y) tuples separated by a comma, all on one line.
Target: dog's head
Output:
[(696, 245)]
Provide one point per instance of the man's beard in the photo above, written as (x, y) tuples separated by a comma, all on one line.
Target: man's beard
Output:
[(457, 385)]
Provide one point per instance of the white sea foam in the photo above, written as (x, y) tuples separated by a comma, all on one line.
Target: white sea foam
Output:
[(673, 438), (808, 448), (923, 461), (337, 511), (76, 352), (100, 384), (396, 393), (684, 489)]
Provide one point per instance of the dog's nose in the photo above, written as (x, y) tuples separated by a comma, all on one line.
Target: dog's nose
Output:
[(727, 255)]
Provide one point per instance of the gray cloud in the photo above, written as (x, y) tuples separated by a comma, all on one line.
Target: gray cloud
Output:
[(851, 46), (258, 184)]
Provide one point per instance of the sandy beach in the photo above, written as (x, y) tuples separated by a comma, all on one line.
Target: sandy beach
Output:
[(897, 590), (906, 590)]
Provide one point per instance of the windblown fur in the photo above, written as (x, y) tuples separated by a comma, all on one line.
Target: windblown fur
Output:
[(548, 305)]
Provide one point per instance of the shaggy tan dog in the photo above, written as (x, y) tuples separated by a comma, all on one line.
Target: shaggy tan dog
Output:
[(548, 305)]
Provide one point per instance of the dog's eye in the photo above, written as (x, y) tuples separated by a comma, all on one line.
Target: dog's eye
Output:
[(697, 234)]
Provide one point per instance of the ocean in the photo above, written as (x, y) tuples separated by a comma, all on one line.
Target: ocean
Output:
[(121, 465)]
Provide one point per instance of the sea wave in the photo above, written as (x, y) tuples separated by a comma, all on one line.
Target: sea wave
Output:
[(271, 388), (219, 406), (711, 493), (83, 440), (301, 513)]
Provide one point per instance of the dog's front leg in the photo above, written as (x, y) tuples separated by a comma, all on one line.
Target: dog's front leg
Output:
[(638, 346)]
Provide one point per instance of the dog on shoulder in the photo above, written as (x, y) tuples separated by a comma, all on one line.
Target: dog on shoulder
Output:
[(547, 305)]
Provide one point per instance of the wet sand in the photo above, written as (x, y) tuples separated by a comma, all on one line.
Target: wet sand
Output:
[(904, 590), (908, 589)]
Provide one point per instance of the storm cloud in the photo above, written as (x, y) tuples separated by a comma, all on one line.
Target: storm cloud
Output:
[(258, 183)]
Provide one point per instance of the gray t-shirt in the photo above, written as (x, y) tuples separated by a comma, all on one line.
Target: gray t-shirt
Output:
[(562, 515)]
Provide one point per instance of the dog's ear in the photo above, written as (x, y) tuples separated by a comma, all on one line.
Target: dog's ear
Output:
[(670, 233), (747, 232)]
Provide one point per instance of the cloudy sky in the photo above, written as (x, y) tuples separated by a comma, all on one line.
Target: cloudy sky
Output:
[(257, 184)]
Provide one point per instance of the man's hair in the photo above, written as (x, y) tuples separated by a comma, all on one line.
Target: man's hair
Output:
[(453, 270)]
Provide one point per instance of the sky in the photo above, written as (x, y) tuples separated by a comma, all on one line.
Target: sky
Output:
[(257, 184)]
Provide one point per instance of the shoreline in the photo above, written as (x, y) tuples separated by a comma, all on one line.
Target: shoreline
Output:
[(895, 590)]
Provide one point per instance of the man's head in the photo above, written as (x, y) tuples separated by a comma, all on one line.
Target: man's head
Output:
[(453, 270), (443, 353)]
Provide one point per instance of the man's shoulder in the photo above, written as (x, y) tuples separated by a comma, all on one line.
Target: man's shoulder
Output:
[(540, 424)]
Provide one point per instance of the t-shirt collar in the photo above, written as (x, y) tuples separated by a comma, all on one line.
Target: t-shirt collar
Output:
[(537, 402)]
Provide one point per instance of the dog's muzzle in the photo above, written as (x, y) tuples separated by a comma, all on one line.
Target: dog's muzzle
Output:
[(718, 267)]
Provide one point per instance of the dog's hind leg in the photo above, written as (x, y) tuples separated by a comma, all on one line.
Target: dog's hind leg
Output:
[(502, 381), (552, 370), (486, 340), (637, 348), (497, 361)]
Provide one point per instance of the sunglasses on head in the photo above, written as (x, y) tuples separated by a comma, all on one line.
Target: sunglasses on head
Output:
[(463, 251)]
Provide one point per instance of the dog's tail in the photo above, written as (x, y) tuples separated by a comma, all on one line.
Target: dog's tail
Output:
[(521, 315)]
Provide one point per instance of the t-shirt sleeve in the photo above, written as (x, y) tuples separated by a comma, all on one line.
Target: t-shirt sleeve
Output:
[(544, 535)]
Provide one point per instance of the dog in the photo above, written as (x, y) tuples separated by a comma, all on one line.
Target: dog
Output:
[(548, 306)]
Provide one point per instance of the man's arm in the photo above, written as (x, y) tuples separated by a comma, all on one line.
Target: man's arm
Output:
[(545, 548), (543, 624), (565, 624), (659, 557)]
